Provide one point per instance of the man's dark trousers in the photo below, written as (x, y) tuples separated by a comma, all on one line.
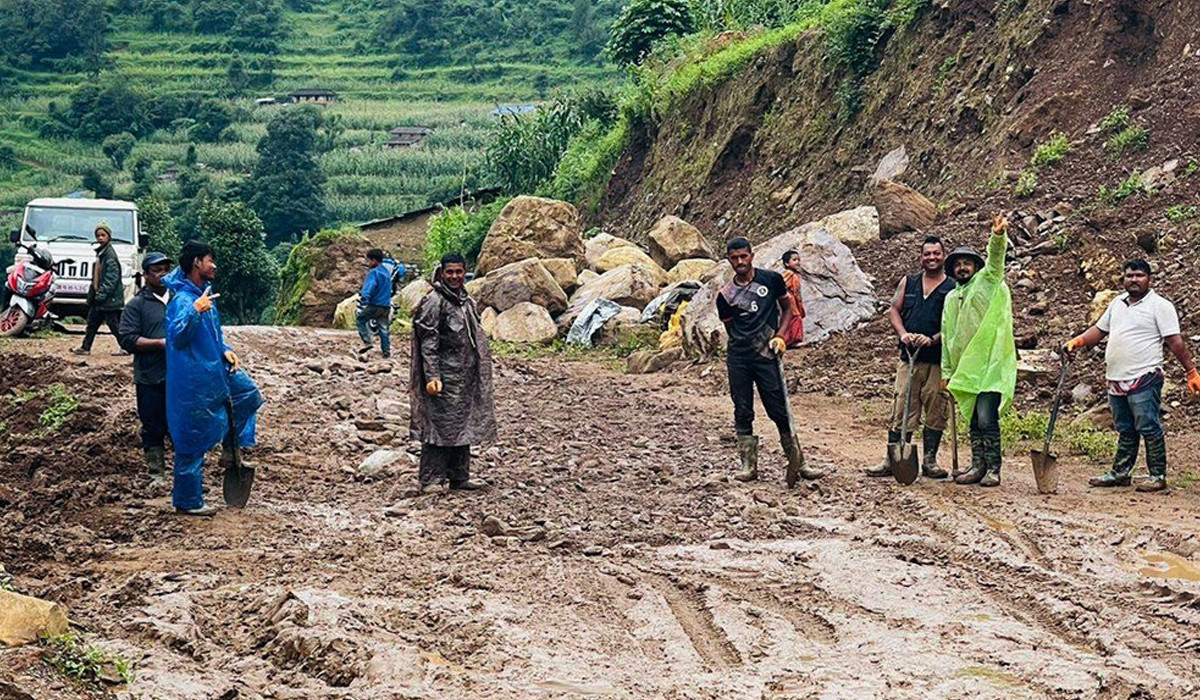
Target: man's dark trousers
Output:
[(746, 373), (95, 317), (152, 411)]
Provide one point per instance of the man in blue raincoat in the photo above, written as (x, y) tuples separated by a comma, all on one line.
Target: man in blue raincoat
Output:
[(204, 379)]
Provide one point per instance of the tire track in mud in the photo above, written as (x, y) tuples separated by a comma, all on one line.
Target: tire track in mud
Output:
[(807, 624), (690, 609)]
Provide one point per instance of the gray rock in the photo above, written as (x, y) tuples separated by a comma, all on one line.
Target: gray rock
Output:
[(378, 461)]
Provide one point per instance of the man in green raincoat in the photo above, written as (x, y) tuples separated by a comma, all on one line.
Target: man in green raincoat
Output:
[(979, 359)]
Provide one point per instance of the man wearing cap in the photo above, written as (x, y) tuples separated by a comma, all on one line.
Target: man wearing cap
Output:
[(755, 307), (106, 295), (1137, 323), (979, 358), (143, 334), (916, 316), (375, 305)]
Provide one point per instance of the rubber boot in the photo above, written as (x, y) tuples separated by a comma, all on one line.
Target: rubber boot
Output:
[(931, 441), (992, 455), (884, 468), (156, 462), (467, 485), (796, 468), (978, 467), (1123, 462), (1156, 463), (748, 453)]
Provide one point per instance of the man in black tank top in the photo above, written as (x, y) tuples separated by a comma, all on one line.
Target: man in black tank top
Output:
[(916, 316)]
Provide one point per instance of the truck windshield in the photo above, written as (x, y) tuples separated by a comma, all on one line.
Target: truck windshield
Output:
[(56, 224)]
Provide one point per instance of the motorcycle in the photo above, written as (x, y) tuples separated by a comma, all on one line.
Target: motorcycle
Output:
[(28, 291)]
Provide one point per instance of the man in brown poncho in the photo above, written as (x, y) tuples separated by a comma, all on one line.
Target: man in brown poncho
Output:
[(451, 380)]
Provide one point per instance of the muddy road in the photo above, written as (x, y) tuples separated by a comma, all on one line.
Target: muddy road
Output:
[(613, 557)]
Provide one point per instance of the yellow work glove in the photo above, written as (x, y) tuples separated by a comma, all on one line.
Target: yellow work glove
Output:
[(434, 388), (203, 303), (777, 345), (234, 363), (1193, 381)]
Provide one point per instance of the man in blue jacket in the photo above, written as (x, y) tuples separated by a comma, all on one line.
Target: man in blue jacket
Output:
[(375, 305), (205, 381)]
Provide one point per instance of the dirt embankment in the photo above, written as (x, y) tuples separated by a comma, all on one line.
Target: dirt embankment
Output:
[(613, 555)]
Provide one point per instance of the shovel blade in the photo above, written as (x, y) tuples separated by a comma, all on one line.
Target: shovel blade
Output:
[(903, 460), (1045, 471), (236, 486)]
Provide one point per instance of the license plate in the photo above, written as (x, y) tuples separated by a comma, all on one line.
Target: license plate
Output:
[(72, 287)]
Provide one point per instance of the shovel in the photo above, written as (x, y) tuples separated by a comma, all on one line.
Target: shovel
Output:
[(902, 457), (238, 479), (954, 472), (1045, 464)]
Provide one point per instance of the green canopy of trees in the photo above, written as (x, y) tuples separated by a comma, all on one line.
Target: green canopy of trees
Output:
[(287, 188)]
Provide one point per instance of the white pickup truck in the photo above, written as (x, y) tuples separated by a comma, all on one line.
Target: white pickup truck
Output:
[(65, 227)]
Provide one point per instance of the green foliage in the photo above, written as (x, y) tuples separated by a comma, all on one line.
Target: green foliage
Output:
[(1030, 427), (1131, 138), (723, 15), (247, 273), (456, 230), (1117, 120), (83, 663), (100, 110), (95, 182), (154, 217), (61, 407), (1026, 183), (644, 23), (210, 119), (525, 149), (853, 35), (118, 147), (1179, 213), (585, 167), (43, 33), (287, 188), (1134, 184), (1051, 151), (8, 158)]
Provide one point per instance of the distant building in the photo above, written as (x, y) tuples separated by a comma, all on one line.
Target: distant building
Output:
[(265, 102), (407, 136), (506, 110), (321, 96), (404, 235)]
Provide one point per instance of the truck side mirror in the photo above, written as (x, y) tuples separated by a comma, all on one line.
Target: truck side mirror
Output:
[(143, 240), (14, 236)]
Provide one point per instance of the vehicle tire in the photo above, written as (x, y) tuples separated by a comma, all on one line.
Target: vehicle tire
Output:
[(13, 321)]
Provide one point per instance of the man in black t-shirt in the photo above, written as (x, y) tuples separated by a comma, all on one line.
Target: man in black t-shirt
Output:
[(755, 306), (916, 316)]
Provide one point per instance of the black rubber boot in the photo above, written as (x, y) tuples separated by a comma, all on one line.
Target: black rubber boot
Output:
[(1156, 463), (992, 456), (884, 468), (978, 467), (748, 454), (156, 462), (1123, 463), (931, 441), (796, 467)]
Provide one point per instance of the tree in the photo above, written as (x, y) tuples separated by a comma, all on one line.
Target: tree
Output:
[(248, 275), (118, 147), (154, 217), (37, 33), (143, 180), (101, 110), (642, 24), (211, 117), (237, 76), (97, 183), (287, 188)]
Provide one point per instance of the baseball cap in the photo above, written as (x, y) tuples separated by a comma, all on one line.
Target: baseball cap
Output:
[(154, 259)]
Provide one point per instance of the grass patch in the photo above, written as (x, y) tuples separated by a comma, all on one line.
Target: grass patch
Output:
[(62, 407), (1050, 152), (1179, 213), (83, 663), (1124, 133), (1029, 428), (1026, 183), (1134, 184)]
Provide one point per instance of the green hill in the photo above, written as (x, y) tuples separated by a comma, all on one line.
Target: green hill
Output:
[(443, 64)]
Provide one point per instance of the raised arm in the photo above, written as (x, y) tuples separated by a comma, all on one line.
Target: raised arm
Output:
[(997, 247)]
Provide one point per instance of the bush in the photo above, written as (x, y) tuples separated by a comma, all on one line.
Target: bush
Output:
[(118, 147), (525, 149), (1131, 138), (1129, 186), (1051, 151), (154, 217), (101, 110), (455, 230), (587, 164), (642, 24), (1180, 213), (1026, 183)]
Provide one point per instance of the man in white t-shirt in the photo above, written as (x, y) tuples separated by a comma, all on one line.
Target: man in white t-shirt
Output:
[(1137, 323)]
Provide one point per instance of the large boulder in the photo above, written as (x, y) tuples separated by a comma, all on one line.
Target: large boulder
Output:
[(891, 166), (837, 294), (628, 285), (524, 280), (564, 272), (345, 314), (413, 293), (1100, 304), (627, 322), (600, 244), (24, 619), (691, 269), (628, 255), (322, 270), (672, 239), (532, 227), (901, 208), (487, 319), (586, 276), (858, 225), (525, 323)]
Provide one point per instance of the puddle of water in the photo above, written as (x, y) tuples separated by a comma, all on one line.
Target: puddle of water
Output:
[(1169, 565), (436, 659), (568, 687), (990, 675)]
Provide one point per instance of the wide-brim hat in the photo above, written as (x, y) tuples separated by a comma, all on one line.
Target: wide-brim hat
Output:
[(963, 251)]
